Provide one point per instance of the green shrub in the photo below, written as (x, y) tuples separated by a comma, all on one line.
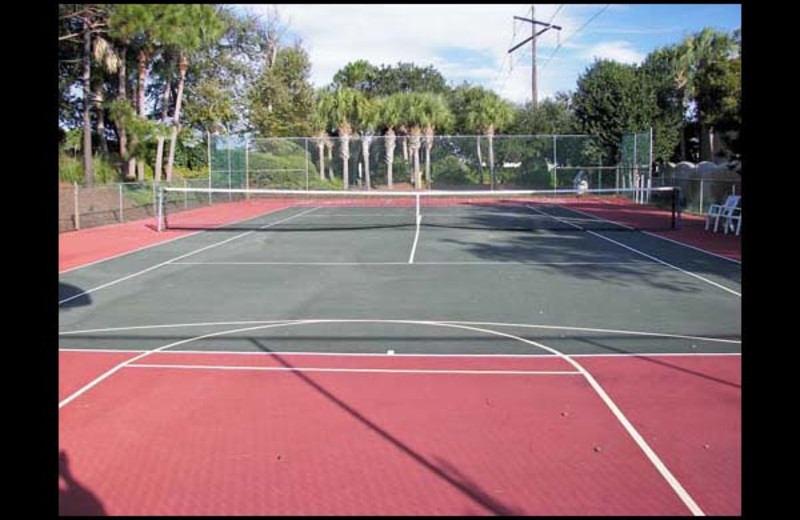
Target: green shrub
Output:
[(450, 171), (70, 169)]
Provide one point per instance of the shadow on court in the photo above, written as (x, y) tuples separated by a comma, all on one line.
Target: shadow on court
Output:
[(531, 249), (660, 362), (75, 296), (448, 474), (75, 500)]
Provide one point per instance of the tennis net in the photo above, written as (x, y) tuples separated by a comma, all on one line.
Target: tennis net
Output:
[(510, 210)]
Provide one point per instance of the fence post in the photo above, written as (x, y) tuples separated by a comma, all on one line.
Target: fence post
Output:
[(121, 204), (208, 146), (700, 209), (635, 171), (77, 206), (228, 145), (307, 154), (650, 166), (555, 162), (247, 166), (160, 209), (185, 194)]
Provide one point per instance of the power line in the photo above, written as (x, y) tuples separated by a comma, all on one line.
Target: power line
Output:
[(509, 58), (547, 27), (560, 44)]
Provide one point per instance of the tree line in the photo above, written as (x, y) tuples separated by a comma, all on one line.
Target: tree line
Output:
[(140, 85)]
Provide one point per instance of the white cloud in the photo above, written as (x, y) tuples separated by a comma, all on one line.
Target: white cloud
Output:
[(335, 35), (621, 51)]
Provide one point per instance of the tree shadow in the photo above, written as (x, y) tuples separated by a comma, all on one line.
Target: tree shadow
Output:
[(469, 489), (555, 221), (583, 263), (75, 499), (78, 297)]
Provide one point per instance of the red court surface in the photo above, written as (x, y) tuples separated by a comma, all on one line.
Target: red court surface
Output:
[(82, 247), (693, 233), (689, 410), (228, 434)]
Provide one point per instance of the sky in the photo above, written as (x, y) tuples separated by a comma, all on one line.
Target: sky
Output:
[(470, 42)]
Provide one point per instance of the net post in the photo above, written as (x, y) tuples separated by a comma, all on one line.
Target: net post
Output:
[(418, 209), (186, 194)]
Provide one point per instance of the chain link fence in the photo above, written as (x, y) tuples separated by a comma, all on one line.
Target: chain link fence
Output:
[(698, 193), (82, 207), (408, 161), (401, 162)]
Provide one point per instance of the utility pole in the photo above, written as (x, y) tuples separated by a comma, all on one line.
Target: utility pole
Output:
[(532, 39)]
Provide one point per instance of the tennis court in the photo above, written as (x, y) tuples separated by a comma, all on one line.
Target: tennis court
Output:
[(401, 354)]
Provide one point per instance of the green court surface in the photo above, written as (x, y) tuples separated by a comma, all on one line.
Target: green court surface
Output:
[(581, 291)]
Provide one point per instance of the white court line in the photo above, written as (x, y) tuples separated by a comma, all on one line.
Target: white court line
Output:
[(119, 366), (127, 253), (416, 239), (655, 259), (626, 424), (361, 370), (190, 253), (168, 241), (693, 247), (701, 278), (588, 329), (629, 428), (658, 236), (395, 353), (510, 262), (374, 320)]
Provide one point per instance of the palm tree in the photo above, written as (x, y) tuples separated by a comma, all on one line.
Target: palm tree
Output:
[(167, 65), (329, 149), (390, 117), (367, 123), (486, 113), (320, 125), (435, 113), (695, 54), (343, 109), (108, 60), (412, 106)]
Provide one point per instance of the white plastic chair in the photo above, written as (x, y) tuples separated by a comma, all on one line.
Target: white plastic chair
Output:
[(735, 215), (728, 212)]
